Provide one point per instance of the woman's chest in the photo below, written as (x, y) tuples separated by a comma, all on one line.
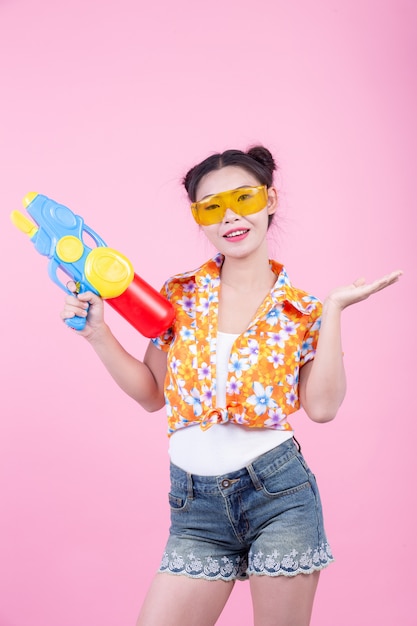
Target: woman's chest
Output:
[(236, 310)]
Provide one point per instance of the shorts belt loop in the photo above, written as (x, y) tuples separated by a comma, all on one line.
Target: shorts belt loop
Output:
[(254, 477), (297, 444), (190, 488)]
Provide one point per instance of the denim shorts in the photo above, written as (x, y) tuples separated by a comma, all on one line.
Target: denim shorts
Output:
[(265, 519)]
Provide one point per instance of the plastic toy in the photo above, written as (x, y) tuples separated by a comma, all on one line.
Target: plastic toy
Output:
[(58, 235)]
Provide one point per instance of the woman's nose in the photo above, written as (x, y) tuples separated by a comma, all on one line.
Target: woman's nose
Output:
[(230, 216)]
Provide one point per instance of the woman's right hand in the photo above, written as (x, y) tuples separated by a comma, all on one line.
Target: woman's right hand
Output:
[(87, 305)]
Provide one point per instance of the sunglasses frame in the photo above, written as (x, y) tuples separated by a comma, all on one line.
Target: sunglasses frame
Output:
[(232, 199)]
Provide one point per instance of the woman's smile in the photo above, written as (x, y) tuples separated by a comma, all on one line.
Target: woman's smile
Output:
[(236, 234)]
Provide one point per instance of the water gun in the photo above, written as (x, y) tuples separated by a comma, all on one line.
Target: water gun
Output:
[(58, 235)]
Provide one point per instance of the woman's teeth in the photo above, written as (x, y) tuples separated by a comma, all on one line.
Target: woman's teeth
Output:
[(236, 233)]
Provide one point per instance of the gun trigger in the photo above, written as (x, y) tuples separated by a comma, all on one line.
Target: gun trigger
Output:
[(77, 287)]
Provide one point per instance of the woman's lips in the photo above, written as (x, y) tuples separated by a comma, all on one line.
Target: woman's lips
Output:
[(236, 234)]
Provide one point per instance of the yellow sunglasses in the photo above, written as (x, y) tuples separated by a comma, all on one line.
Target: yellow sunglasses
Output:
[(242, 201)]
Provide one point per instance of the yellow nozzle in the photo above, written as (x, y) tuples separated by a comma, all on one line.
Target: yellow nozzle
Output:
[(29, 197), (23, 224)]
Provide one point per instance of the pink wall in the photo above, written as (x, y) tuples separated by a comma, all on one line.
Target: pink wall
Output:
[(104, 106)]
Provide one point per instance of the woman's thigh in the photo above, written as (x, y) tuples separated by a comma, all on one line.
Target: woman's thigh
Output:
[(283, 600), (182, 601)]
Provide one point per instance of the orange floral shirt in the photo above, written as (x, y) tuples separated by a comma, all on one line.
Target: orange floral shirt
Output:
[(264, 363)]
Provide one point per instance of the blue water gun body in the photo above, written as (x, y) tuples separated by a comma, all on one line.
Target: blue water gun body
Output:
[(60, 238)]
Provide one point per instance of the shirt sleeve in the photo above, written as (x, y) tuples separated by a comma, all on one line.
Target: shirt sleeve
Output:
[(163, 342), (311, 337)]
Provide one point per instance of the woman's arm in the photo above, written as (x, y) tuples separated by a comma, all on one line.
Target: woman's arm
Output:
[(142, 381), (322, 381)]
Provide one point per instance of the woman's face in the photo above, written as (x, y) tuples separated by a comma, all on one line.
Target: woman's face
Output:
[(236, 235)]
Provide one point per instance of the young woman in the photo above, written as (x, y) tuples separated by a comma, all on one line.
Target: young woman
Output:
[(246, 347)]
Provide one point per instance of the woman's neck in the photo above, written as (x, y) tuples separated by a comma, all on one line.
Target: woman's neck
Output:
[(248, 273)]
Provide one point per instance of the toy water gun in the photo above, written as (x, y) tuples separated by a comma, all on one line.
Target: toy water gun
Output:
[(58, 235)]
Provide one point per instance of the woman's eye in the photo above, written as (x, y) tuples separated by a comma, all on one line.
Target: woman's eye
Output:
[(211, 207), (243, 197)]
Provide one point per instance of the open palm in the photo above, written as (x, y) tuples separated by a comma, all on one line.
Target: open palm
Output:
[(361, 290)]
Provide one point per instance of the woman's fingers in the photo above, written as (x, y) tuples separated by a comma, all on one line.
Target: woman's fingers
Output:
[(387, 280), (71, 286)]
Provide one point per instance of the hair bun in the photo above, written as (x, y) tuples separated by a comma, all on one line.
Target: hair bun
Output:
[(263, 156)]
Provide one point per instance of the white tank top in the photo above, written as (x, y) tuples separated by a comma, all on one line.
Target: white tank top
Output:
[(222, 448)]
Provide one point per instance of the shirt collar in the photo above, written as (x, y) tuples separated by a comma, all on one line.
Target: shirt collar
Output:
[(282, 291)]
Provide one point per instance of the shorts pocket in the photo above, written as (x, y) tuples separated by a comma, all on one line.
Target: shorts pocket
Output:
[(288, 479), (177, 498)]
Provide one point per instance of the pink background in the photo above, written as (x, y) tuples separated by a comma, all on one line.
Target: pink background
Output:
[(104, 106)]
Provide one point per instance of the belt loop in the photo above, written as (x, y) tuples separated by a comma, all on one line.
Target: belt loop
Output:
[(190, 489), (254, 478), (298, 444)]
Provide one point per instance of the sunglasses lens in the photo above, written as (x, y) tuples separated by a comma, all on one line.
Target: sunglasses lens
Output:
[(249, 200), (211, 211)]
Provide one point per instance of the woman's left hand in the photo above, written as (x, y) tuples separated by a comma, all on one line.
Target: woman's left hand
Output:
[(359, 290)]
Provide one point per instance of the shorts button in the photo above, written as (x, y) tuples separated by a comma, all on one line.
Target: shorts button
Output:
[(226, 483)]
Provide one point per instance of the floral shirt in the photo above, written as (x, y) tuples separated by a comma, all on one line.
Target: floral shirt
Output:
[(264, 364)]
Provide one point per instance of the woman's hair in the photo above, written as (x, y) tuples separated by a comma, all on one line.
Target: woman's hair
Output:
[(257, 160)]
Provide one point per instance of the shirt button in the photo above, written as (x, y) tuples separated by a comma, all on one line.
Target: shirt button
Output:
[(225, 483)]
